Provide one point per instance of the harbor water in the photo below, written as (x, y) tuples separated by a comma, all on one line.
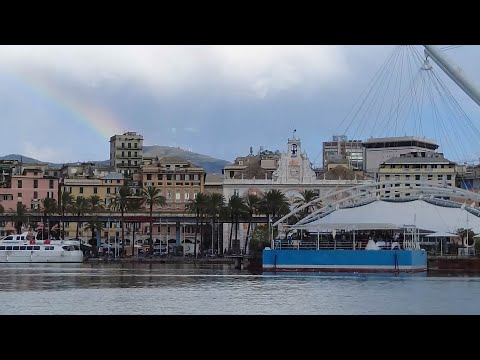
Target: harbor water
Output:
[(171, 289)]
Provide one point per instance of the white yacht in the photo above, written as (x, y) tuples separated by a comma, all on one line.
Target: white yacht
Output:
[(26, 248)]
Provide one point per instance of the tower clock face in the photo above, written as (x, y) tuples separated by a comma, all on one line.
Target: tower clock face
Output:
[(294, 150)]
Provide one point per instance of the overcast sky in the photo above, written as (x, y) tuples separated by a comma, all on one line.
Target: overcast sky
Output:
[(61, 103)]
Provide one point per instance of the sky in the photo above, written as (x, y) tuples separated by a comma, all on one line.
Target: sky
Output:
[(62, 103)]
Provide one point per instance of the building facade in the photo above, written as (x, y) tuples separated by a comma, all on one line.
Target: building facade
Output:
[(29, 188), (379, 150), (105, 187), (179, 181), (430, 167), (126, 152), (342, 150)]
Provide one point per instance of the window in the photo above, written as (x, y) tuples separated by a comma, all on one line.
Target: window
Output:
[(129, 145), (36, 247), (178, 177), (123, 147), (439, 177), (135, 146), (235, 192), (187, 177), (19, 195), (169, 177), (50, 184), (95, 190), (35, 184), (160, 177), (169, 195), (135, 163), (35, 195), (195, 177), (135, 154), (19, 184), (35, 173), (232, 174), (187, 196), (123, 153), (177, 196), (149, 176), (118, 181), (81, 190), (449, 177), (417, 177), (129, 154)]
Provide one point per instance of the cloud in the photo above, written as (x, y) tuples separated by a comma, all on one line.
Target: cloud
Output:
[(46, 153), (258, 71)]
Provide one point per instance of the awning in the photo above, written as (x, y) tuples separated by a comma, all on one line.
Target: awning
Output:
[(441, 234)]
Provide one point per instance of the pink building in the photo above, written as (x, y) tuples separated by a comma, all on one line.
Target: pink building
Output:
[(29, 189)]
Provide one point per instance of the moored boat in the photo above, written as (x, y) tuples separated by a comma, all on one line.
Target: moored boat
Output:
[(22, 248)]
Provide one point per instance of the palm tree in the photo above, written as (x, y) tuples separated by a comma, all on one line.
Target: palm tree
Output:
[(19, 217), (121, 203), (252, 202), (49, 207), (79, 207), (133, 205), (198, 206), (307, 196), (153, 197), (1, 209), (236, 207), (274, 203), (66, 201), (94, 225), (214, 205), (95, 205)]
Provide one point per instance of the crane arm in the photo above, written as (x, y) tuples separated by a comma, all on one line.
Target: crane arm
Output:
[(453, 71)]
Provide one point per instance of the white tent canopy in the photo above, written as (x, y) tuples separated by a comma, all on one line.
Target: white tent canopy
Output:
[(441, 235), (395, 215)]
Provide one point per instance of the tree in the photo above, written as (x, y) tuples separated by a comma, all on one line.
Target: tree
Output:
[(2, 210), (214, 205), (66, 201), (94, 225), (236, 207), (94, 205), (464, 234), (120, 203), (274, 203), (252, 202), (19, 217), (198, 207), (49, 207), (79, 207), (153, 197), (306, 196), (133, 205)]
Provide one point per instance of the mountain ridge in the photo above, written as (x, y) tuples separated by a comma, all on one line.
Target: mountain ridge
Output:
[(208, 163)]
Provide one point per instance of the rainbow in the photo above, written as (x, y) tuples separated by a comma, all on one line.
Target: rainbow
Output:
[(99, 119)]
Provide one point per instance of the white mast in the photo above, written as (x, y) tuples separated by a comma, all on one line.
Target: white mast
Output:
[(453, 71)]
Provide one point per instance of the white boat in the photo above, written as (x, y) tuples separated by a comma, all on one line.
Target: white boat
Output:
[(27, 249)]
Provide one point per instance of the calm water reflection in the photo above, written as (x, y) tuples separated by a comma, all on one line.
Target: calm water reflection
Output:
[(219, 289)]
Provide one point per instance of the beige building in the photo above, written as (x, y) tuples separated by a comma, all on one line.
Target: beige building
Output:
[(379, 150), (430, 167), (126, 152), (105, 187), (213, 184), (179, 181)]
